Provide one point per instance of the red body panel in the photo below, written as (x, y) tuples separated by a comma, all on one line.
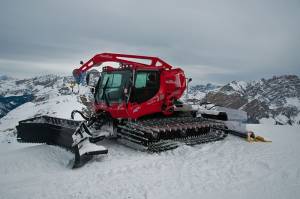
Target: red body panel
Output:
[(172, 85)]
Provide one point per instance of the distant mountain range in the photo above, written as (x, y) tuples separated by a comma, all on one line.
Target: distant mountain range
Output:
[(275, 100), (15, 92)]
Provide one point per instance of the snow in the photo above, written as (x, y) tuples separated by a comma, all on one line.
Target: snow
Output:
[(267, 121), (231, 168), (282, 119), (290, 101), (293, 101), (239, 85), (90, 147), (233, 114), (196, 95)]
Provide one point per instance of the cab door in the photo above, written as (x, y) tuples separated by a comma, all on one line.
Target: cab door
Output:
[(144, 95)]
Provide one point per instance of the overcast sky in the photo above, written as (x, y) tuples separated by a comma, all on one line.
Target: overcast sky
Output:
[(213, 41)]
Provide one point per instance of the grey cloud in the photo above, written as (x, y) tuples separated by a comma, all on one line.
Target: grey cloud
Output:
[(234, 39)]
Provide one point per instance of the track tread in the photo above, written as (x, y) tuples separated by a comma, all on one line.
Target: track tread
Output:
[(163, 134)]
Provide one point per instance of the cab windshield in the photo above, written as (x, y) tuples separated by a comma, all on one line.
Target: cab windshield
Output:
[(110, 87)]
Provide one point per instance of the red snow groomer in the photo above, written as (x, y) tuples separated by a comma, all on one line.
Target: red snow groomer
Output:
[(137, 103)]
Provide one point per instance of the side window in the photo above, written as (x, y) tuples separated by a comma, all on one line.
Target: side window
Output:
[(141, 79), (146, 86), (146, 79), (115, 81)]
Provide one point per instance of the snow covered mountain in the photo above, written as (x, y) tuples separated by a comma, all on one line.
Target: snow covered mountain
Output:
[(15, 92), (26, 98), (275, 100), (200, 91)]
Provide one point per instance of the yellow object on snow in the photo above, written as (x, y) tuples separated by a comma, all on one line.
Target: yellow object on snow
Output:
[(251, 137), (261, 139)]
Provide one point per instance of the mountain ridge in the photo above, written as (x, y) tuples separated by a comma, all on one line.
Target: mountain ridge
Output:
[(276, 99)]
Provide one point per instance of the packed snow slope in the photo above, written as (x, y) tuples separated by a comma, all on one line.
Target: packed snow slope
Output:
[(231, 168)]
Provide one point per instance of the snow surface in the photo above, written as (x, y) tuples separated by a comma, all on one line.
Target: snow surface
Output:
[(267, 121), (231, 168), (293, 101)]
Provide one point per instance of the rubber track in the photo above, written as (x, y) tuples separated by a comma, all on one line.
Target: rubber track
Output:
[(163, 134)]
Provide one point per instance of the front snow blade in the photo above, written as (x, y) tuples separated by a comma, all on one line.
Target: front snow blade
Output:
[(60, 132), (85, 150), (49, 130)]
